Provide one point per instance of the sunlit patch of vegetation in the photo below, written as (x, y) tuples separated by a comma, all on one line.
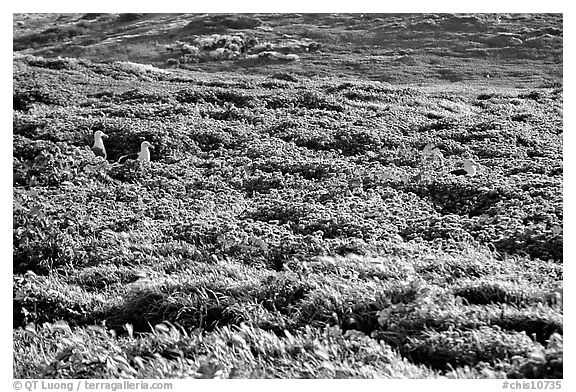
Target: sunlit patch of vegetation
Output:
[(285, 227)]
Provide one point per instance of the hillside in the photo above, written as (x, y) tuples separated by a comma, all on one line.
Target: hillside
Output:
[(291, 222), (522, 50)]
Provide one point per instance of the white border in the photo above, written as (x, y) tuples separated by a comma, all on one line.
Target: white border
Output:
[(297, 6)]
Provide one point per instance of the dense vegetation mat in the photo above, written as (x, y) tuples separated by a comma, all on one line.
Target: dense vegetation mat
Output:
[(286, 226)]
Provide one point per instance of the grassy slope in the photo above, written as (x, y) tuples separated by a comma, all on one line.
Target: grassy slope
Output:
[(304, 237), (519, 49)]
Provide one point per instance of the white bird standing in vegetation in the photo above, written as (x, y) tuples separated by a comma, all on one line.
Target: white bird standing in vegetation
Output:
[(469, 168), (432, 157), (143, 155), (431, 152), (98, 147)]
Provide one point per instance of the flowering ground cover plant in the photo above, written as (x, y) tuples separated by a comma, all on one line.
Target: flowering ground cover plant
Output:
[(286, 226)]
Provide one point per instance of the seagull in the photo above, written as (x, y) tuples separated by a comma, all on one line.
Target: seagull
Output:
[(469, 168), (98, 147), (430, 150), (143, 155)]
